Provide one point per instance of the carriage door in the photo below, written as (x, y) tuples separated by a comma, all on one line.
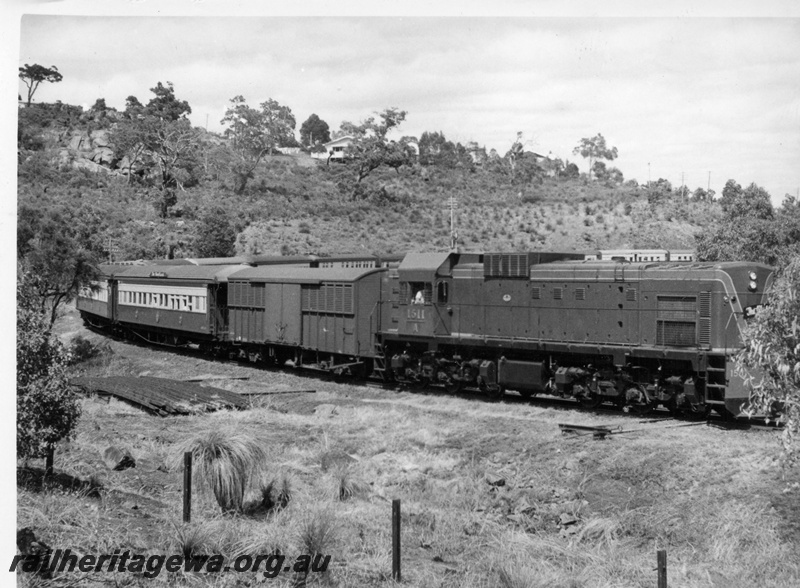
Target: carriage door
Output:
[(218, 309), (443, 306), (111, 306)]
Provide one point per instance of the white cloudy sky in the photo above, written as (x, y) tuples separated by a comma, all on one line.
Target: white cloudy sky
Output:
[(689, 96)]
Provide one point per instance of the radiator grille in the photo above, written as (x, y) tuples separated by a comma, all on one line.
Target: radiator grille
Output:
[(557, 293), (676, 321), (536, 293), (580, 293), (506, 265), (677, 308), (631, 295), (705, 304), (704, 335), (675, 333)]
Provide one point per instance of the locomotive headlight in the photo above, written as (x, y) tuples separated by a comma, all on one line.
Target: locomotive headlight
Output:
[(753, 285), (752, 275)]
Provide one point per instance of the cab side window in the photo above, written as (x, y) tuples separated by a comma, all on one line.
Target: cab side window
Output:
[(441, 293), (416, 292)]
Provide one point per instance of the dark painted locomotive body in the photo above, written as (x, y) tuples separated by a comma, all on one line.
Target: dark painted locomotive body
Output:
[(635, 334)]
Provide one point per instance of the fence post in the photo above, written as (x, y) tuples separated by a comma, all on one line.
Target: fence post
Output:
[(48, 462), (396, 539), (187, 487), (661, 554)]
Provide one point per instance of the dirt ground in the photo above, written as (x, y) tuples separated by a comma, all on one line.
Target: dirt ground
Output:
[(492, 493)]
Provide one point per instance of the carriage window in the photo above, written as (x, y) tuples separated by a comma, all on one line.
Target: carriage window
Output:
[(441, 293)]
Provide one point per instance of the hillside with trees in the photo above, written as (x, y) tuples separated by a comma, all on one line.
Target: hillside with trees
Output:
[(143, 183)]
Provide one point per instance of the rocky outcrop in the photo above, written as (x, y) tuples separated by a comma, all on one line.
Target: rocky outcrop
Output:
[(89, 150)]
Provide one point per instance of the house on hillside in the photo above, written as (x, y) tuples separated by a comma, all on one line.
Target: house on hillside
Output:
[(334, 149), (546, 162)]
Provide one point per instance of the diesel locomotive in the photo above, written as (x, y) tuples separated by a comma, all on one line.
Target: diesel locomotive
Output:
[(635, 334)]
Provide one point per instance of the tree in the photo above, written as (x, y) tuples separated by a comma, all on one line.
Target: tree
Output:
[(160, 138), (47, 406), (752, 202), (701, 195), (436, 150), (164, 105), (129, 139), (314, 130), (216, 235), (370, 148), (170, 144), (615, 175), (49, 248), (770, 360), (33, 75), (255, 133), (133, 108), (600, 171), (595, 148), (516, 152), (570, 170), (751, 230), (747, 239)]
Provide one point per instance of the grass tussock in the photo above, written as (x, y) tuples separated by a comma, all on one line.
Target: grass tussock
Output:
[(345, 483), (318, 531), (194, 539), (226, 461), (273, 495)]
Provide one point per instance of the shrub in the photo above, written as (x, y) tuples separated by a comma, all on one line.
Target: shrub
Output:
[(225, 462), (82, 350), (47, 407), (215, 234), (772, 352)]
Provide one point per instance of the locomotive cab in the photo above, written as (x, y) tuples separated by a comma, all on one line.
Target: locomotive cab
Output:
[(425, 281)]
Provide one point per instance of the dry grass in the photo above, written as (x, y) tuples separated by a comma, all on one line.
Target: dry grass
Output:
[(571, 512)]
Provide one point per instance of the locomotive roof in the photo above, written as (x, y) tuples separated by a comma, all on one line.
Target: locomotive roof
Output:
[(204, 273), (584, 267), (304, 275), (419, 267)]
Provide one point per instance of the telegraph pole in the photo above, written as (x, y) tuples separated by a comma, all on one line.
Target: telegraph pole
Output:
[(452, 202), (112, 249)]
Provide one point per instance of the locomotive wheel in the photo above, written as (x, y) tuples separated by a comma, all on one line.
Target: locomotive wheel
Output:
[(418, 384), (591, 400), (636, 400), (697, 412), (496, 393), (454, 386)]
